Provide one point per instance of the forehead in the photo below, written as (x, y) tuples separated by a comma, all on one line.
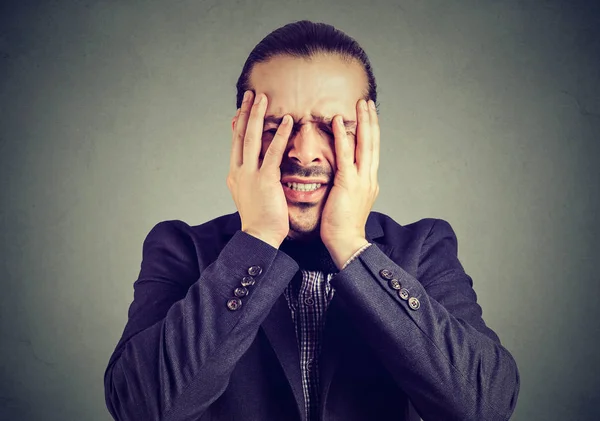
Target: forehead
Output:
[(325, 85)]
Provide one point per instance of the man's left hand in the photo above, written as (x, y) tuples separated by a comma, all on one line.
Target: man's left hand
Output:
[(355, 187)]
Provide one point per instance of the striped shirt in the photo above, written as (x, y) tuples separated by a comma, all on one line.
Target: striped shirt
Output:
[(308, 304)]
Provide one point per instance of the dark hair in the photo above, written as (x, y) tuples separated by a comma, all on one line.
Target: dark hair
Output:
[(306, 39)]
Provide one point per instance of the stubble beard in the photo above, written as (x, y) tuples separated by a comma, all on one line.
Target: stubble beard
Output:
[(305, 221)]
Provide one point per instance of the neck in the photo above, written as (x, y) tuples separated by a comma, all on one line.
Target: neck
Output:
[(303, 237), (310, 253)]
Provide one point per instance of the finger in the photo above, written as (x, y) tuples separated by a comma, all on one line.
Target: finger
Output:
[(364, 154), (376, 136), (239, 130), (253, 135), (343, 151), (235, 155), (274, 154)]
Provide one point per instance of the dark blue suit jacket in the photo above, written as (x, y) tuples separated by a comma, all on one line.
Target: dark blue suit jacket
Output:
[(185, 356)]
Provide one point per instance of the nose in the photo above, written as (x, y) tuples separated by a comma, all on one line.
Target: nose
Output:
[(306, 145)]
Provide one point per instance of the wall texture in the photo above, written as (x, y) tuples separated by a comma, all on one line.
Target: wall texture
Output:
[(115, 115)]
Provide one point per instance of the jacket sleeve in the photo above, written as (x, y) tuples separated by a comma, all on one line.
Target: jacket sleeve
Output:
[(439, 350), (181, 341)]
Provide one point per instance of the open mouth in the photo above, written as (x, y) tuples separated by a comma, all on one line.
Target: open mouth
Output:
[(304, 192)]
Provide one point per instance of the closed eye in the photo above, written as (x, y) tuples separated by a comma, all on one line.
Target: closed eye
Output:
[(325, 130), (273, 131)]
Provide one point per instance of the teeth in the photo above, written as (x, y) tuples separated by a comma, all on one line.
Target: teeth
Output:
[(303, 187)]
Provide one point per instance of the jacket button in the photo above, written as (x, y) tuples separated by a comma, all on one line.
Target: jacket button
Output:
[(248, 281), (240, 292), (234, 304), (386, 274), (395, 284), (414, 303), (254, 270), (403, 293)]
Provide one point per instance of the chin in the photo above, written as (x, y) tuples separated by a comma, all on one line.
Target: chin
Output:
[(304, 226)]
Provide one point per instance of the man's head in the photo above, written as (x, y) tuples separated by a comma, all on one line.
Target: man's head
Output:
[(313, 72)]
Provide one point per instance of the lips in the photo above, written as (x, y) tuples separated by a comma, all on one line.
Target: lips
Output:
[(303, 180), (303, 196)]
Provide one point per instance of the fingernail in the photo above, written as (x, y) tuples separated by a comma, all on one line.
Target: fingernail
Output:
[(246, 95), (237, 113), (372, 104), (364, 105)]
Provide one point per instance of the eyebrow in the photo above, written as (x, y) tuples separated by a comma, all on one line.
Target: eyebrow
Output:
[(349, 124)]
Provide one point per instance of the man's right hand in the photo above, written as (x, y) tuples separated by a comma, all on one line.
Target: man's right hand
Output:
[(256, 189)]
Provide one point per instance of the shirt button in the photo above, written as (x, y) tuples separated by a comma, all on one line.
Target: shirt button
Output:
[(234, 304), (240, 292), (248, 281), (386, 274), (309, 364), (395, 284), (403, 293), (414, 303), (254, 270), (309, 302)]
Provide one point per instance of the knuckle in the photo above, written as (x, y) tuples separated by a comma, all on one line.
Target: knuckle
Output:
[(248, 140), (273, 149)]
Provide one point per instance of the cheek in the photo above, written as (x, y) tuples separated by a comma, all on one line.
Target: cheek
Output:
[(265, 142), (334, 166), (330, 154)]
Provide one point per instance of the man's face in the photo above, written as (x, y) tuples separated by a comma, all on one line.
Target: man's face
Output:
[(312, 92)]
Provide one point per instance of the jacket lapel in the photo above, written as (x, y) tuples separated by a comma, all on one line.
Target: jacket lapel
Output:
[(281, 333), (330, 348)]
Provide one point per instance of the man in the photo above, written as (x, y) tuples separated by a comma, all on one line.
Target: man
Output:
[(305, 304)]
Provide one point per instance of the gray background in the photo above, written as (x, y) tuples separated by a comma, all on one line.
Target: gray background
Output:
[(115, 115)]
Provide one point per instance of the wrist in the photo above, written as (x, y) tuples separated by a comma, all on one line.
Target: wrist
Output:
[(342, 250), (356, 254), (267, 239)]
